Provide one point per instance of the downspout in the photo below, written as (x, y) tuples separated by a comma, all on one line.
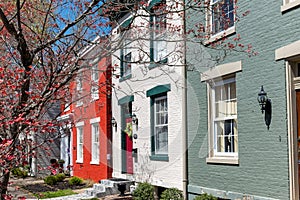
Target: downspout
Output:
[(184, 112)]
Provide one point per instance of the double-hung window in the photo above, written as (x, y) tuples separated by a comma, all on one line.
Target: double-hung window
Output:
[(126, 59), (79, 91), (224, 118), (159, 122), (95, 143), (158, 25), (94, 84), (222, 15), (79, 131)]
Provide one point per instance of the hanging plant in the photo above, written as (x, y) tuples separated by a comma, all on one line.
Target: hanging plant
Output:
[(128, 129)]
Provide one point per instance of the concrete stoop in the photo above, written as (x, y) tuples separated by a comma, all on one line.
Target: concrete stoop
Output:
[(109, 187)]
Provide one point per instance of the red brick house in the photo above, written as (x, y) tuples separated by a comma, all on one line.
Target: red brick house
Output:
[(89, 146)]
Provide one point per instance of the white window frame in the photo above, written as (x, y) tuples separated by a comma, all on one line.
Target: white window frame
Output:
[(289, 4), (127, 58), (211, 77), (95, 73), (95, 143), (159, 35), (80, 145), (156, 125), (79, 91), (216, 119), (222, 33)]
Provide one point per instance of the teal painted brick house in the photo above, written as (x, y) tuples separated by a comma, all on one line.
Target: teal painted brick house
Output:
[(231, 153)]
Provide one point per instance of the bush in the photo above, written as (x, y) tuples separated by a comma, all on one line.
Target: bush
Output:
[(206, 197), (75, 181), (50, 180), (19, 172), (172, 193), (60, 177), (144, 191)]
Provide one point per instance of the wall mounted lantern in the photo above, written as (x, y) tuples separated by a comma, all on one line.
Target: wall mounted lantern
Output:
[(135, 121), (265, 106), (114, 123)]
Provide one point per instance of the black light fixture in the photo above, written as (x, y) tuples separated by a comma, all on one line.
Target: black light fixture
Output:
[(135, 120), (265, 106), (114, 123)]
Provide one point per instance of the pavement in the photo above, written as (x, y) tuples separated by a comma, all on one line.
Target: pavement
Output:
[(18, 193)]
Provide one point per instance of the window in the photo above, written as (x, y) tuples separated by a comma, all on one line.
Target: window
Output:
[(161, 124), (79, 89), (95, 144), (126, 60), (79, 144), (94, 84), (222, 15), (158, 23), (95, 73)]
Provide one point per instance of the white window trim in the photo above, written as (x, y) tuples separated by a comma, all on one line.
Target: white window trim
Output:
[(93, 122), (221, 34), (288, 51), (289, 5), (218, 72), (79, 125), (94, 94), (155, 125), (221, 70)]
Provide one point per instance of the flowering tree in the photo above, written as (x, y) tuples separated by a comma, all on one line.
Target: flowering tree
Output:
[(41, 52)]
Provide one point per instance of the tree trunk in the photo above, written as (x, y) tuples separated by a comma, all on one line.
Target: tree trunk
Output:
[(4, 185)]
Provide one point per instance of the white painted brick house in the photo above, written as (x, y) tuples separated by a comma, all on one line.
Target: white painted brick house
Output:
[(148, 85)]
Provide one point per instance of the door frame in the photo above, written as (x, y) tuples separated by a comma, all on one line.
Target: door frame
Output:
[(292, 84)]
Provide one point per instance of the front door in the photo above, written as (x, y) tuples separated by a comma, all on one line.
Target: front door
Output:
[(126, 137)]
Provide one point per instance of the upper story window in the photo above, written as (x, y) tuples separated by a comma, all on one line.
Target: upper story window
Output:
[(222, 15), (95, 73), (79, 91), (126, 59), (158, 25)]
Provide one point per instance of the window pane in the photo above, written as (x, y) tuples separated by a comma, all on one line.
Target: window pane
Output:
[(161, 125)]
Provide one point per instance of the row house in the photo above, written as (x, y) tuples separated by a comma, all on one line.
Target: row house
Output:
[(236, 151), (147, 96), (86, 142)]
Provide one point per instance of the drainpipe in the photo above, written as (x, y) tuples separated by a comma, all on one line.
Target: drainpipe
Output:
[(184, 112)]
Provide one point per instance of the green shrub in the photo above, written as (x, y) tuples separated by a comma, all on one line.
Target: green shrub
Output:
[(144, 191), (60, 177), (172, 193), (206, 197), (59, 193), (50, 180), (75, 181), (19, 172)]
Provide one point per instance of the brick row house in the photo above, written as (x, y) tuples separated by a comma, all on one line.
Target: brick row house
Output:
[(86, 147), (235, 150), (147, 97)]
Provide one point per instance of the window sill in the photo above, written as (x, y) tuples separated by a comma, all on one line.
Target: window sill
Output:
[(94, 162), (79, 104), (94, 99), (125, 78), (289, 6), (223, 160), (160, 157), (79, 161), (220, 35), (155, 64)]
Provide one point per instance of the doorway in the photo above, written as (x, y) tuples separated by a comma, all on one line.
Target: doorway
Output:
[(126, 138)]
